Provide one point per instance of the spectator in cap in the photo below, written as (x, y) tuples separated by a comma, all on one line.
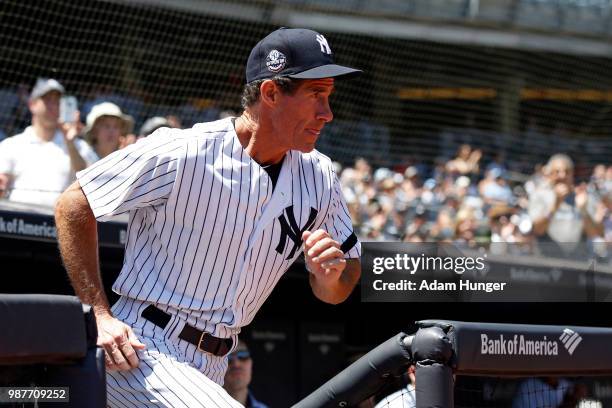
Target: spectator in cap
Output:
[(238, 377), (36, 166), (107, 126)]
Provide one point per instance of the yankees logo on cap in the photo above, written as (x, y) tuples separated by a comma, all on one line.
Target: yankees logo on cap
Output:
[(276, 61), (295, 53), (324, 45)]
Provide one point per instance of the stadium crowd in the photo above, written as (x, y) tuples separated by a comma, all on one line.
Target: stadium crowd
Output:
[(466, 202), (463, 200)]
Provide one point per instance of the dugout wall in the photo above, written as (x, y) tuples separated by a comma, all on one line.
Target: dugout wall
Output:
[(441, 349)]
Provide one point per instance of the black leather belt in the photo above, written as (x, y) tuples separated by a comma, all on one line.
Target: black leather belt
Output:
[(203, 341)]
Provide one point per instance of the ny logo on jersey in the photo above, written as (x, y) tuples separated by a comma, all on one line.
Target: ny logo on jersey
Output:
[(289, 228), (324, 45)]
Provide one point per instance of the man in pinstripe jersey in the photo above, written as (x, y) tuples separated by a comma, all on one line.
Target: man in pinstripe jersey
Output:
[(217, 214)]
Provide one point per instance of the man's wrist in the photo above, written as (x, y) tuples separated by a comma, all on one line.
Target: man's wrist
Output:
[(102, 311)]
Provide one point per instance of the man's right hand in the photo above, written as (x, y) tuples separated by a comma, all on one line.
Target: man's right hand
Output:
[(119, 342)]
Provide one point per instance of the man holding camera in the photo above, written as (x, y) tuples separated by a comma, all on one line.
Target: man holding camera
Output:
[(562, 213), (38, 164)]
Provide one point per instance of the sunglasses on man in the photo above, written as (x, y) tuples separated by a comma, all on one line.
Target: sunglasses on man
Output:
[(242, 355)]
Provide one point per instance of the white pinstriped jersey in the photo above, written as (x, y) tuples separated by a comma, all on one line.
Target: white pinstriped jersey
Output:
[(208, 234)]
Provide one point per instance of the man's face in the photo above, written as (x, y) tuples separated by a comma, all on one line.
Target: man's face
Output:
[(46, 108), (560, 172), (300, 117), (239, 370)]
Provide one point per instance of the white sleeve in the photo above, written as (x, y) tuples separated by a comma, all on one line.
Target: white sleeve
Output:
[(339, 224), (7, 159), (140, 175)]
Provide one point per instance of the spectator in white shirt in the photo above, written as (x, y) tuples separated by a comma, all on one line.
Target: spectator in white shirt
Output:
[(38, 164)]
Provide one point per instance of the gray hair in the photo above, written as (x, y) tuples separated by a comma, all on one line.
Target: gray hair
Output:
[(251, 91), (560, 157)]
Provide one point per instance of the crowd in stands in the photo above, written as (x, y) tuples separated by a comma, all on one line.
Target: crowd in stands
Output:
[(466, 202), (463, 200)]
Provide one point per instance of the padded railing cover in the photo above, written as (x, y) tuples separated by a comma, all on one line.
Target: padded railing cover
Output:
[(42, 329), (520, 349)]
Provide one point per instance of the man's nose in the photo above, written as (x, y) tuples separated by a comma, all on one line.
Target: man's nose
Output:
[(325, 112)]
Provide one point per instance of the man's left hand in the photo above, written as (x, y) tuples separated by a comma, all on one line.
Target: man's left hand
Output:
[(324, 258)]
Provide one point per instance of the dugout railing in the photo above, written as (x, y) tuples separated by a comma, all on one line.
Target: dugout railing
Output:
[(442, 350)]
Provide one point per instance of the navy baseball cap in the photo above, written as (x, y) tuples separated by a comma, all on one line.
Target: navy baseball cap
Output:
[(295, 53)]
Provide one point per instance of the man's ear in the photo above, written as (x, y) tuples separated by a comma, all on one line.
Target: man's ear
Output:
[(269, 92)]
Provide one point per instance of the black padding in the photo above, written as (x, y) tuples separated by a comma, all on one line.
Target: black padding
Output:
[(41, 328), (523, 349), (50, 341), (364, 377), (437, 377), (432, 343)]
